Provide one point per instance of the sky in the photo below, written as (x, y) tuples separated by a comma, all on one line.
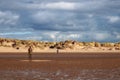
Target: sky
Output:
[(59, 20)]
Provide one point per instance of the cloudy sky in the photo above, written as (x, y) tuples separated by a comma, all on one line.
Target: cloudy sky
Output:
[(51, 20)]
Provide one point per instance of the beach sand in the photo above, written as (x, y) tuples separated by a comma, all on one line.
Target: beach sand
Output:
[(78, 63), (48, 66), (92, 49)]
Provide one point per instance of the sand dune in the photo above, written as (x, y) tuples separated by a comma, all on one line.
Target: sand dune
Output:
[(13, 45)]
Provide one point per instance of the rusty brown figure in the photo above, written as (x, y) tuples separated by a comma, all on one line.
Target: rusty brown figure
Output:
[(30, 50), (57, 50)]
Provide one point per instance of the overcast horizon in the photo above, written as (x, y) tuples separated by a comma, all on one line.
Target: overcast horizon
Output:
[(58, 20)]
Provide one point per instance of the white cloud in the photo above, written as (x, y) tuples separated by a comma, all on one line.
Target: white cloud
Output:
[(50, 5), (14, 33), (74, 35), (79, 6), (56, 18), (113, 19), (117, 35), (8, 18), (52, 36), (43, 17), (34, 38), (60, 5), (90, 5), (90, 15), (101, 36)]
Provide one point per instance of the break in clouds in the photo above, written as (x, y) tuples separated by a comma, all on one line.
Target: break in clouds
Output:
[(51, 20)]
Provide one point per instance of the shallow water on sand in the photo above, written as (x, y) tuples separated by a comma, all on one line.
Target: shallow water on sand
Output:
[(60, 67), (85, 74)]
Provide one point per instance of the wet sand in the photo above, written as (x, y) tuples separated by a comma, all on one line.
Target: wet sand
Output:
[(75, 66)]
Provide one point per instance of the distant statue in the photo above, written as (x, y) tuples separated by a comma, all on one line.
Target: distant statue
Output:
[(30, 50), (57, 51)]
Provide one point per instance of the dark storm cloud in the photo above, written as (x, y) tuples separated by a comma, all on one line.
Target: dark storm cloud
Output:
[(85, 20)]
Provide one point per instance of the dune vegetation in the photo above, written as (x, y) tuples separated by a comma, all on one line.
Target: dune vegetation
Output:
[(68, 44)]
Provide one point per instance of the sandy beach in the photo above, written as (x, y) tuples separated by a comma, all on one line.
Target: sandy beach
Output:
[(68, 60), (60, 66), (25, 50)]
